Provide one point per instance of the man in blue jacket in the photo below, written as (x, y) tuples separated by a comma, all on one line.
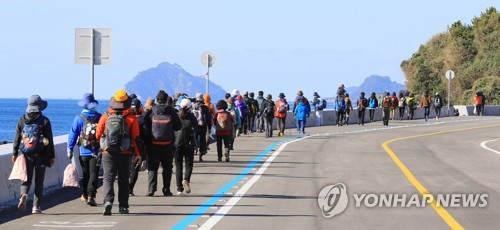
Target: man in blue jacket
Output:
[(83, 134)]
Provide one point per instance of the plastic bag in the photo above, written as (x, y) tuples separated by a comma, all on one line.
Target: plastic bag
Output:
[(19, 170), (71, 177)]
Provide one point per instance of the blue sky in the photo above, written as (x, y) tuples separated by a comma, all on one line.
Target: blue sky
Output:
[(275, 46)]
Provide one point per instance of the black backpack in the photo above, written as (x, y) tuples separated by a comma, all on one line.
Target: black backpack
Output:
[(162, 132), (32, 138), (116, 136)]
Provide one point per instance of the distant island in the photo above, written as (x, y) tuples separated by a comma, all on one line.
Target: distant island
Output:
[(377, 84), (172, 78)]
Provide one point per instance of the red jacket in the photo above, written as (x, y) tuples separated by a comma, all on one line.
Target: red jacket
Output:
[(132, 123)]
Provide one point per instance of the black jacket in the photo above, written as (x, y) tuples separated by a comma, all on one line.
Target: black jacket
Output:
[(48, 151), (267, 108), (186, 135)]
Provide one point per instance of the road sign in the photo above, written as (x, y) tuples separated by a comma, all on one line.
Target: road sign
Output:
[(94, 43), (208, 59), (449, 74)]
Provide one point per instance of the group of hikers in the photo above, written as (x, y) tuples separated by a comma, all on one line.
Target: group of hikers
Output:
[(130, 136)]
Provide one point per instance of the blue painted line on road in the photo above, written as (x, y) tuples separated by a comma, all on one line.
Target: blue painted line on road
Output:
[(203, 208)]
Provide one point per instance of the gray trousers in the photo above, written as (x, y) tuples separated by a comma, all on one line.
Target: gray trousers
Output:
[(112, 165)]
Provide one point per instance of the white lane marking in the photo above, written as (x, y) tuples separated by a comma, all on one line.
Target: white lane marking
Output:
[(216, 217), (72, 226), (483, 144), (66, 224)]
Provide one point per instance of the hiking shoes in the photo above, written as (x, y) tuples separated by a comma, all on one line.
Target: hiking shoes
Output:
[(36, 210), (107, 208), (83, 198), (123, 210), (166, 192), (150, 194), (91, 202), (185, 185), (22, 203)]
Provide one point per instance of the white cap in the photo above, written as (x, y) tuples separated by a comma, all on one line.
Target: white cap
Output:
[(185, 103), (235, 92)]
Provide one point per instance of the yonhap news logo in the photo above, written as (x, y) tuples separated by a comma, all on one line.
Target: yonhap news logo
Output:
[(332, 200)]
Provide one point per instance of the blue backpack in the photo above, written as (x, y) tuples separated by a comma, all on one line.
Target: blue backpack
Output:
[(372, 102), (32, 138)]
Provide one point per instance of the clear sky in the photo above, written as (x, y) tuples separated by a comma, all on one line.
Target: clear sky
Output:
[(275, 46)]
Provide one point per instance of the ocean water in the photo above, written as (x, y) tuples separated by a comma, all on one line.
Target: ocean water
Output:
[(59, 111)]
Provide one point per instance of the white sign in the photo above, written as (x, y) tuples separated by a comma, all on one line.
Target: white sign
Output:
[(94, 43), (449, 74), (208, 59)]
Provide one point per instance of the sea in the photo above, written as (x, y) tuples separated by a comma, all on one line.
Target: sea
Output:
[(60, 112)]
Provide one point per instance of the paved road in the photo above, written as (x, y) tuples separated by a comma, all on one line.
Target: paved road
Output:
[(443, 158)]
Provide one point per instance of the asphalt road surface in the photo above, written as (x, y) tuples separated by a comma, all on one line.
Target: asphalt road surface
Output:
[(274, 183)]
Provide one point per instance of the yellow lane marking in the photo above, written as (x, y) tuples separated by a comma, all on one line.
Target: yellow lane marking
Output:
[(413, 180)]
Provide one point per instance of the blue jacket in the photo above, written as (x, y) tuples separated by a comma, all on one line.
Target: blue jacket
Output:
[(301, 111), (76, 128), (339, 104)]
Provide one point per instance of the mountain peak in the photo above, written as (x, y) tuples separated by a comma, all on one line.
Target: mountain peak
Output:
[(172, 78), (377, 84)]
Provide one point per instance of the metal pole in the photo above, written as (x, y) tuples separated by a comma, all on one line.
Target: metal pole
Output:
[(208, 80), (92, 61), (449, 93)]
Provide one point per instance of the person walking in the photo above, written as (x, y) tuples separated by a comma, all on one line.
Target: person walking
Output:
[(394, 105), (224, 129), (438, 104), (478, 103), (412, 106), (319, 105), (260, 119), (254, 105), (163, 122), (142, 116), (372, 105), (425, 102), (235, 112), (280, 113), (83, 134), (301, 114), (119, 131), (386, 106), (243, 108), (362, 105), (34, 140), (268, 113), (300, 97), (401, 105), (204, 121), (211, 108), (348, 108), (340, 109), (185, 143)]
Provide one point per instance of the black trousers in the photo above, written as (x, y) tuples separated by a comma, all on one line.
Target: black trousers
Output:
[(438, 112), (269, 126), (186, 153), (90, 172), (227, 142), (33, 164), (164, 155), (361, 116), (372, 114), (116, 164), (401, 112), (134, 173), (340, 117), (201, 137), (251, 123), (243, 126), (281, 124)]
